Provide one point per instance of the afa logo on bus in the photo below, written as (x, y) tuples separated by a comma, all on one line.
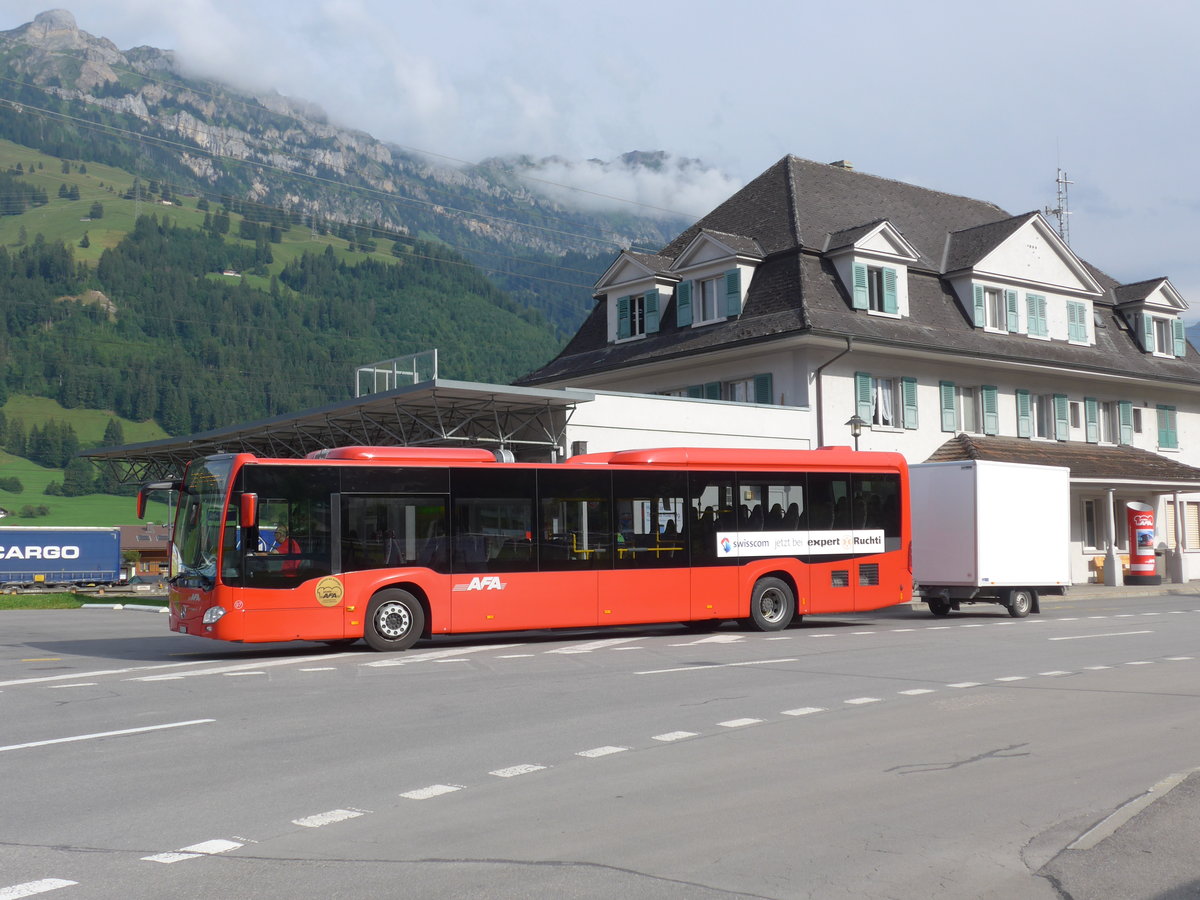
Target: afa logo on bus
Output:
[(482, 583)]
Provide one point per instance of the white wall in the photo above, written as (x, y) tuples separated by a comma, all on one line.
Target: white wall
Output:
[(631, 421)]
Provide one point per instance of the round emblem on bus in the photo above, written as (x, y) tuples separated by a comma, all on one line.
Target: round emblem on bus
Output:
[(330, 592)]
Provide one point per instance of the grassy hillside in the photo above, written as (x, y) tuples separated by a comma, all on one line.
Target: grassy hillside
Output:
[(96, 509), (65, 221)]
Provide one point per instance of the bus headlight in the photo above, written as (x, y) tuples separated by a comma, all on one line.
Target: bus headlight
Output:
[(211, 615)]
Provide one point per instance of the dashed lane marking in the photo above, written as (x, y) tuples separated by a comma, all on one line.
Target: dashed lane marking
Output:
[(672, 736), (434, 790), (514, 771), (739, 723), (1082, 637), (862, 701), (803, 711), (597, 752), (32, 888), (206, 848), (327, 818)]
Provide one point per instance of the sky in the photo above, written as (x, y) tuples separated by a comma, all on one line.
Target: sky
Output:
[(946, 94)]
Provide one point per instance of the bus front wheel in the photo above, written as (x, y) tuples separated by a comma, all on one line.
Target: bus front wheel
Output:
[(772, 605), (395, 620)]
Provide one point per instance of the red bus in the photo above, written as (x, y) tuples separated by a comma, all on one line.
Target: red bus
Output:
[(392, 544)]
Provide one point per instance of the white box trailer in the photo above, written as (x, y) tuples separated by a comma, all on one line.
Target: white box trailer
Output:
[(989, 532)]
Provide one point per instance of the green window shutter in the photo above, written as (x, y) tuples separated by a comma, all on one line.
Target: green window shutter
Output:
[(623, 318), (908, 394), (980, 307), (1180, 337), (1024, 414), (949, 406), (683, 304), (733, 292), (989, 396), (712, 390), (1014, 319), (1091, 418), (1147, 332), (863, 395), (1036, 310), (860, 294), (1167, 435), (763, 390), (1125, 417), (650, 308), (1062, 419), (1076, 321), (890, 303), (696, 391)]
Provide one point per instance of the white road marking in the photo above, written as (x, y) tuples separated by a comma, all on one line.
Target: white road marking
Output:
[(965, 684), (516, 656), (1141, 662), (1012, 678), (803, 711), (783, 637), (205, 848), (327, 818), (931, 628), (714, 639), (976, 625), (104, 734), (1123, 814), (758, 662), (241, 674), (862, 632), (243, 667), (434, 790), (1096, 668), (597, 752), (30, 888), (834, 635), (1179, 658), (739, 723), (513, 771), (59, 687), (408, 657), (1055, 672), (596, 645), (917, 691), (98, 673), (859, 701), (320, 669), (901, 630), (673, 736), (1080, 637)]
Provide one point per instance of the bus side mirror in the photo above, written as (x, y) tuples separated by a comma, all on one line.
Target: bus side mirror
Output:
[(145, 490), (249, 510)]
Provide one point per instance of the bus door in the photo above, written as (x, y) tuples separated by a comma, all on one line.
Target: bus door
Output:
[(495, 538), (714, 577), (849, 521), (650, 578)]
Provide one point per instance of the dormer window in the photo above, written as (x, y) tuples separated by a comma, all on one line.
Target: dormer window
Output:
[(875, 288), (637, 315), (710, 299), (1163, 335)]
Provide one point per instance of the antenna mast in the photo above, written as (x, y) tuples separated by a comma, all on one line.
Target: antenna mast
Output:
[(1063, 209)]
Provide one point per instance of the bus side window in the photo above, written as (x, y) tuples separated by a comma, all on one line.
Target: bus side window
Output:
[(645, 503)]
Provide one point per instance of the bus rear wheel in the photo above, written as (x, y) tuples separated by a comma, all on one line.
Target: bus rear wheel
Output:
[(395, 620), (772, 605)]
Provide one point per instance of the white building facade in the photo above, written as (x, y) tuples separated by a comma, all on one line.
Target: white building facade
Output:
[(948, 327)]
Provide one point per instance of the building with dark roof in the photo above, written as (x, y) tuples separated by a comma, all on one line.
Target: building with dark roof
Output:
[(940, 322)]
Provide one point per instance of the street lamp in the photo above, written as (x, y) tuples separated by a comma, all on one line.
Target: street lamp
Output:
[(856, 424)]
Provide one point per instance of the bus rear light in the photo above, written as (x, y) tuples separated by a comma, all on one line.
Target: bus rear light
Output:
[(213, 614)]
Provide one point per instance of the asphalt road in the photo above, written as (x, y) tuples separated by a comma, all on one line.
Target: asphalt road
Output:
[(887, 755)]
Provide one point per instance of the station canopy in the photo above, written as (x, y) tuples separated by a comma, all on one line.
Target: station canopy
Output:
[(528, 422)]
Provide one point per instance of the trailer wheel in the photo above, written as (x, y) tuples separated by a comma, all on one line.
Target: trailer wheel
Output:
[(939, 607), (772, 605), (395, 620), (1019, 602)]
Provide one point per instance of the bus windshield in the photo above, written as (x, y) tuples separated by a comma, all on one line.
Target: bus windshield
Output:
[(198, 522)]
